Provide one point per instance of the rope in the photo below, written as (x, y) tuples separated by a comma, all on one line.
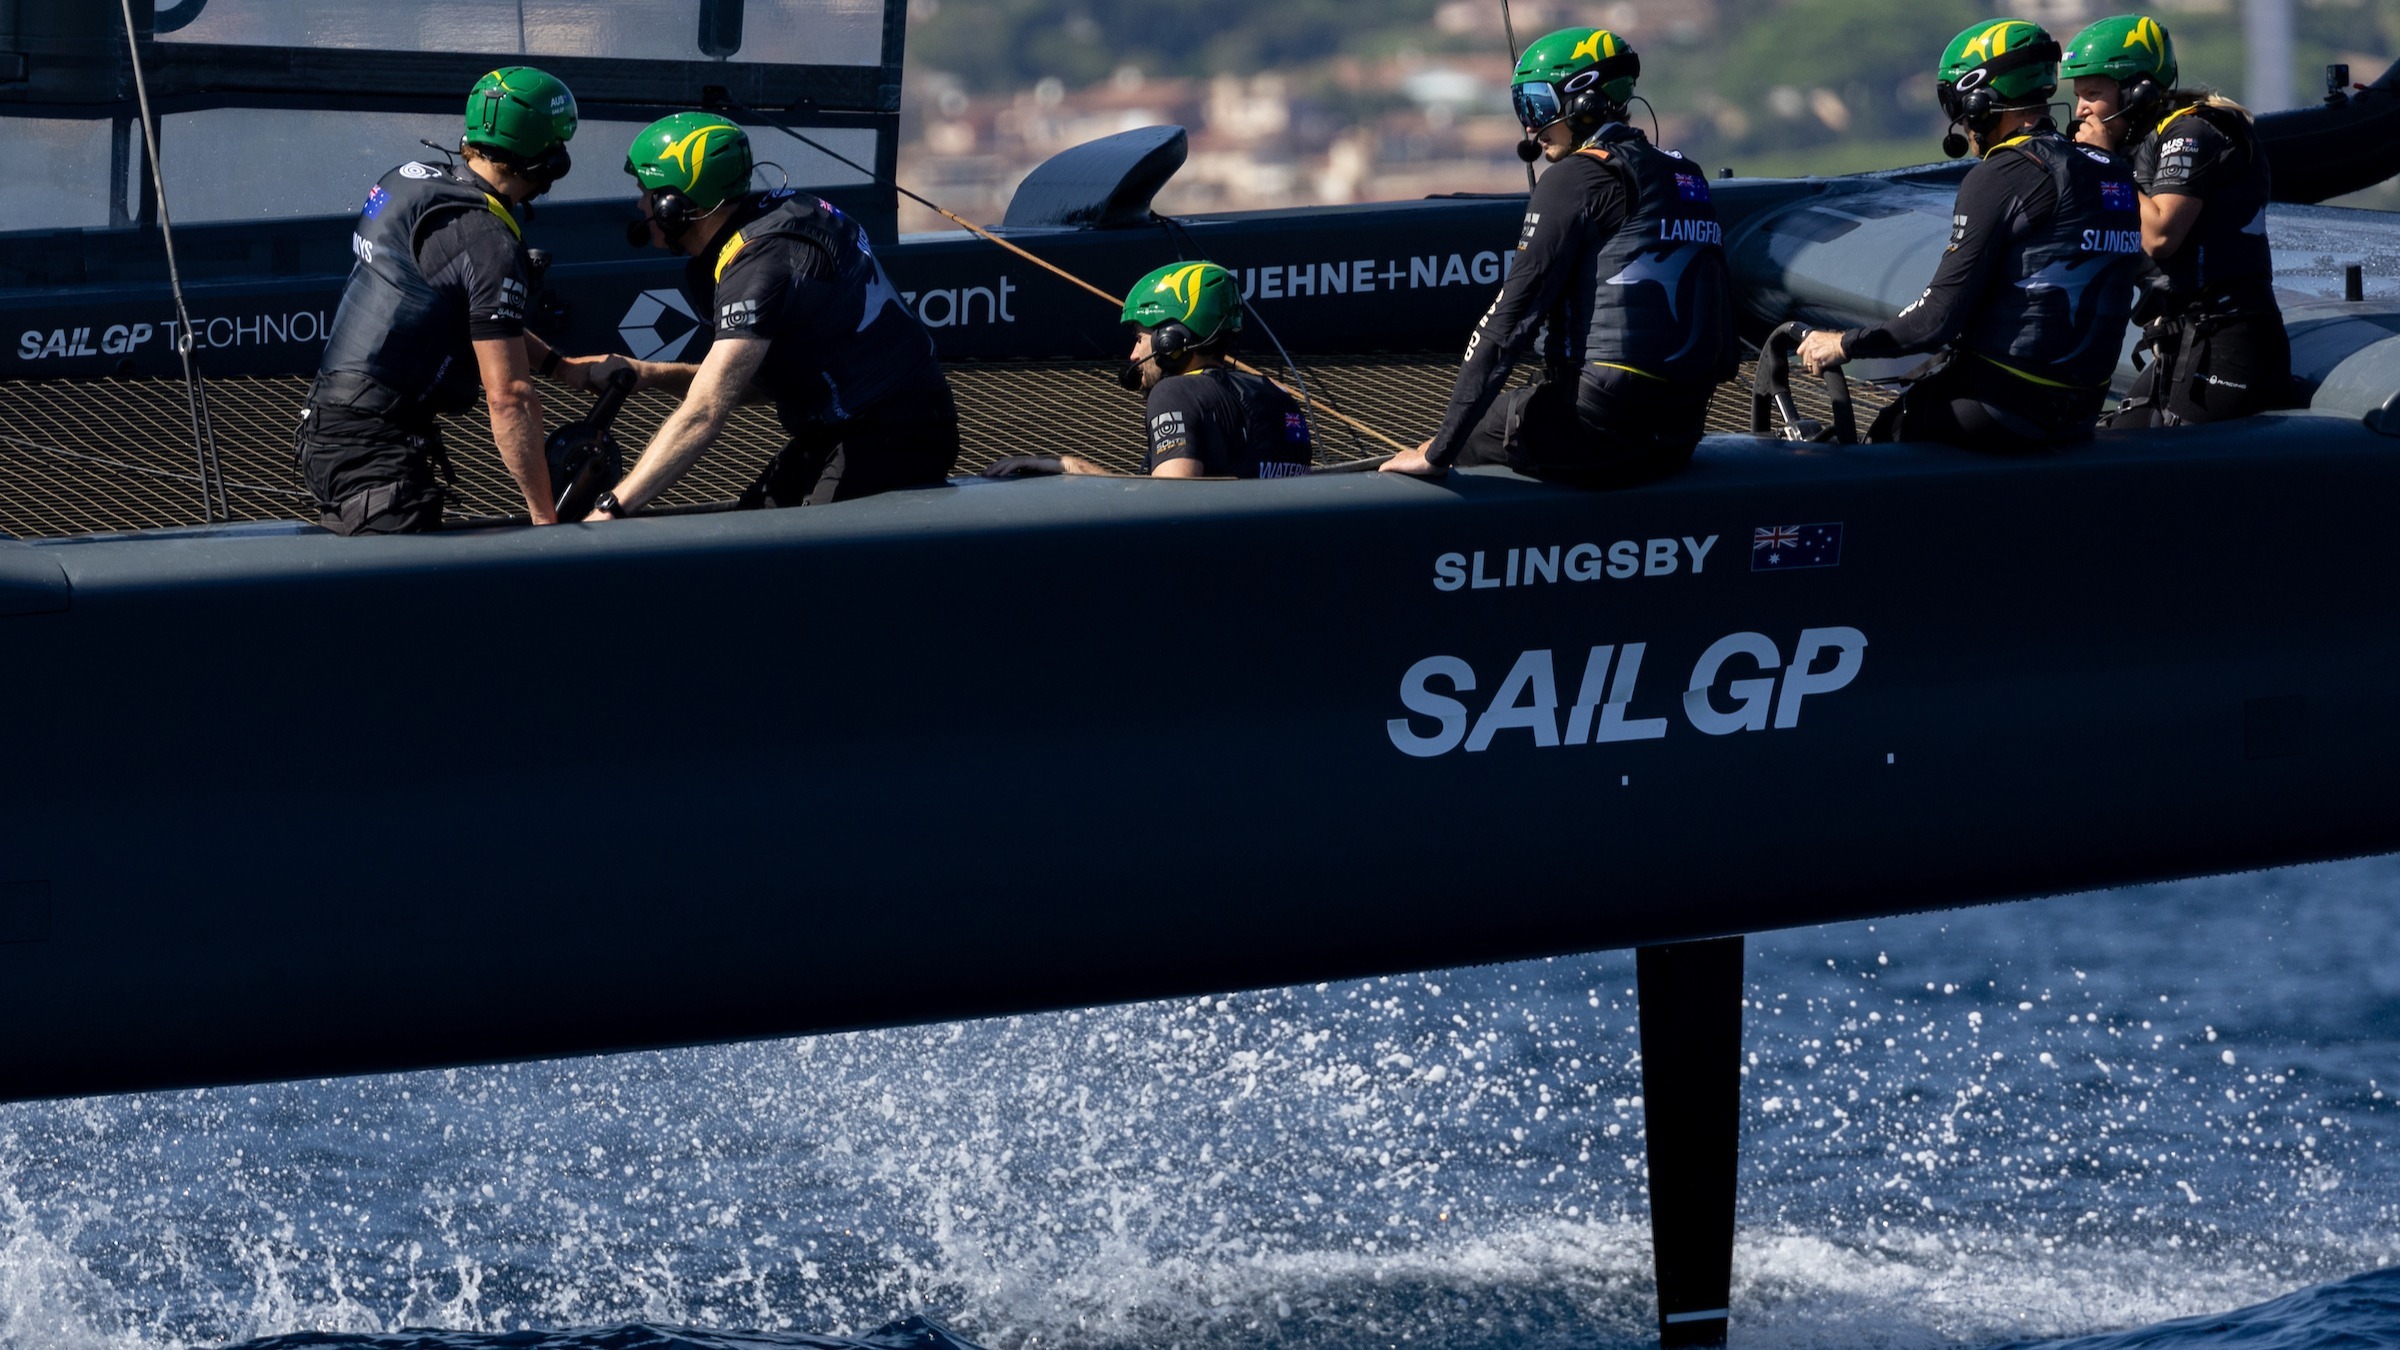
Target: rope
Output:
[(1176, 227), (213, 505), (1063, 274)]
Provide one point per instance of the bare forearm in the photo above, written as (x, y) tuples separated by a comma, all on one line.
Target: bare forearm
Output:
[(670, 377), (2165, 222), (680, 442), (675, 377), (517, 431)]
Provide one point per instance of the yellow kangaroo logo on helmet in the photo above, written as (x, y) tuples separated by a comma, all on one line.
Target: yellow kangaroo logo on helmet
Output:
[(1600, 43), (2146, 34), (694, 145), (1174, 283), (1991, 42)]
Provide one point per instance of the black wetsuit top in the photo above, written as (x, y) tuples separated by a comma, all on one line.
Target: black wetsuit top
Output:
[(440, 266), (2215, 333), (2211, 153), (2039, 285), (793, 270), (1236, 425), (1998, 201), (1666, 317)]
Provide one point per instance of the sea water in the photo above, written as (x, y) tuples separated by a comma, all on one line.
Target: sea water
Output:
[(2085, 1116)]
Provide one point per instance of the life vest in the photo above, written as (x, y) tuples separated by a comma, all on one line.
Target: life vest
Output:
[(393, 330), (2058, 306), (1659, 291), (2227, 250), (859, 343)]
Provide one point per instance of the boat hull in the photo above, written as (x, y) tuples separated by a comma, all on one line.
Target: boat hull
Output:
[(293, 805)]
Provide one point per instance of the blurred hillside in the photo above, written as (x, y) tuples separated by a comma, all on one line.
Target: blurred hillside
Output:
[(1302, 102)]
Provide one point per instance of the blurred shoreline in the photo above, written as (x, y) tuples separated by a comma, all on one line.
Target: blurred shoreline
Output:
[(1411, 98)]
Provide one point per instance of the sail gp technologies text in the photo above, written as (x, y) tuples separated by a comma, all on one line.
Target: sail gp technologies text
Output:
[(126, 339), (1741, 682)]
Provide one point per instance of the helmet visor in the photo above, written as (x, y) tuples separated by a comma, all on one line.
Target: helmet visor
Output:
[(1538, 105)]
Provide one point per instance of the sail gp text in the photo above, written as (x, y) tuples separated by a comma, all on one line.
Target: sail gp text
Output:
[(1741, 683)]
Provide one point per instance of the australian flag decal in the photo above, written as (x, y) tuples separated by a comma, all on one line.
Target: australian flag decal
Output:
[(1785, 548), (377, 199), (2116, 194), (1691, 187)]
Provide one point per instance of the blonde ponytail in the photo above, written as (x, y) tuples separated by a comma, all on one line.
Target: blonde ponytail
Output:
[(2201, 96)]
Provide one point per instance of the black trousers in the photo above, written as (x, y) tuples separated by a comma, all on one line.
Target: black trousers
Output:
[(908, 440), (2209, 369), (1966, 401), (1608, 428), (370, 473)]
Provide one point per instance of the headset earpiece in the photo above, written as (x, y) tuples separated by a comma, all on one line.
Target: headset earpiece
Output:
[(2137, 95), (1170, 341), (673, 209)]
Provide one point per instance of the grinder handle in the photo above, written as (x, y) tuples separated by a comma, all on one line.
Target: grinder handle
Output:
[(612, 398), (1771, 387)]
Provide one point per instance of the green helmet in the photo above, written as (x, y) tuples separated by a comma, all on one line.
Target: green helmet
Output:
[(2124, 48), (700, 156), (1573, 73), (1200, 296), (521, 112), (1995, 65)]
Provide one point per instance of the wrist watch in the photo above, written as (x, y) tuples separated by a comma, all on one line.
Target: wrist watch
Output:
[(549, 366), (608, 502)]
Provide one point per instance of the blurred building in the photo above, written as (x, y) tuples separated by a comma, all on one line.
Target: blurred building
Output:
[(1408, 125)]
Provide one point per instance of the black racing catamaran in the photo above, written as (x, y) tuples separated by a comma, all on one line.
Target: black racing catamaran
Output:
[(1804, 681)]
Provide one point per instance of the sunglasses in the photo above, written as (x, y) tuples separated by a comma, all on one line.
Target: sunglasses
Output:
[(1538, 105)]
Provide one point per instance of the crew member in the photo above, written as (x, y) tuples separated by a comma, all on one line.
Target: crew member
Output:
[(1206, 419), (803, 315), (1621, 266), (2028, 305), (434, 309), (2210, 325)]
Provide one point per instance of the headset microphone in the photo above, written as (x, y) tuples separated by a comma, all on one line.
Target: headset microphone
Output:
[(1129, 375), (2138, 95), (1529, 150), (1954, 145), (2104, 121)]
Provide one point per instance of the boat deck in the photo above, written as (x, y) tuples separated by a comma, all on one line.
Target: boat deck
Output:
[(95, 456)]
